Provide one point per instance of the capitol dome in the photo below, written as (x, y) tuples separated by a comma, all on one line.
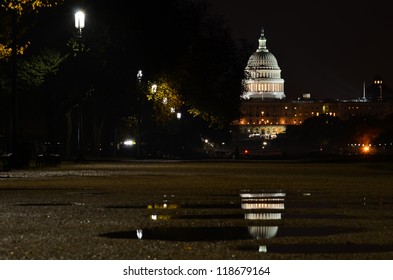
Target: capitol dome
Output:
[(262, 60), (262, 74)]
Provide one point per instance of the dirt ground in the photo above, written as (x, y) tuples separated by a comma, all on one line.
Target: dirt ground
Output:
[(198, 210)]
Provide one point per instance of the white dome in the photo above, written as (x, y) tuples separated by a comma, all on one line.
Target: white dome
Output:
[(262, 74), (262, 60)]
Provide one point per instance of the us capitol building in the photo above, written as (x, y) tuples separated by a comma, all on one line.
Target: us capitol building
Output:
[(266, 113)]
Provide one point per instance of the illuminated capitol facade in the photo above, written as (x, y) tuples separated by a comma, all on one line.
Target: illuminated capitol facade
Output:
[(265, 112), (263, 75)]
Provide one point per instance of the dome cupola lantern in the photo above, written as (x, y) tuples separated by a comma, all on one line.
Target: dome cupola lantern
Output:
[(262, 42)]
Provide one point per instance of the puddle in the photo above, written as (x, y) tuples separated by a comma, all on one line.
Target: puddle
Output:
[(250, 216), (255, 207), (232, 205), (45, 204), (224, 233), (179, 205), (126, 207), (197, 217), (183, 234)]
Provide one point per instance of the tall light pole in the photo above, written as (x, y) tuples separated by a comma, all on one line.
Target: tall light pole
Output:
[(139, 102), (79, 25), (13, 149)]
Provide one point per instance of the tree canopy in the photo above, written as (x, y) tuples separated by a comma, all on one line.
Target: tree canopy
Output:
[(182, 46)]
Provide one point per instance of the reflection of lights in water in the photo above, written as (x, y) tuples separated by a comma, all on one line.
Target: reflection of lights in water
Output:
[(262, 205), (162, 206), (262, 216), (139, 233), (262, 249), (156, 217), (263, 194), (263, 232), (263, 201)]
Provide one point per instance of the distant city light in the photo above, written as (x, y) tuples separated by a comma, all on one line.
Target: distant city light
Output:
[(129, 142), (366, 149)]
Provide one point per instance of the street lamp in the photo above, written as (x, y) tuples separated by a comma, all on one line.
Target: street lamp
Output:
[(139, 102), (139, 76), (79, 25), (154, 88), (79, 22)]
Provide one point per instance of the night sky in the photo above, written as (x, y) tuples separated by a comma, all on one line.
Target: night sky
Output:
[(326, 48)]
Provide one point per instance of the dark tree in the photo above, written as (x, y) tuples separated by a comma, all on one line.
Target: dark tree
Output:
[(181, 40)]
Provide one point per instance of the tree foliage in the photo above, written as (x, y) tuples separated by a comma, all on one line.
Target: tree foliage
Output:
[(180, 45), (32, 71), (12, 12), (166, 99), (25, 6)]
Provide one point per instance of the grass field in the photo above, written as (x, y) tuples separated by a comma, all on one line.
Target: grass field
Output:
[(193, 210)]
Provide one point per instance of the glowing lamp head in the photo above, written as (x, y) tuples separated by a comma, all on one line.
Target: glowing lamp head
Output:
[(79, 20), (129, 142), (154, 88)]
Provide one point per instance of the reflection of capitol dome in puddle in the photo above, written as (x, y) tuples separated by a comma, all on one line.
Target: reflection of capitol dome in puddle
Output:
[(263, 232), (263, 201), (262, 216), (256, 205)]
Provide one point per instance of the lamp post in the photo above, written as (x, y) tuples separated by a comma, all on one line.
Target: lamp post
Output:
[(176, 131), (139, 103), (79, 25), (14, 94)]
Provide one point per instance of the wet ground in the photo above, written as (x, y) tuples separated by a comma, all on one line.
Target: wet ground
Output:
[(198, 210)]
